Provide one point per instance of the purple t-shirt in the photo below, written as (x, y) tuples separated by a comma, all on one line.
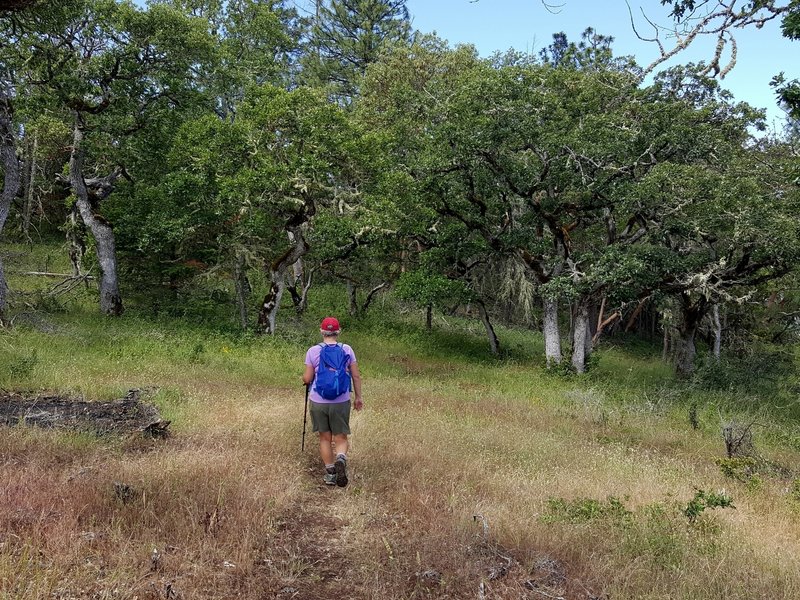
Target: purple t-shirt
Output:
[(312, 358)]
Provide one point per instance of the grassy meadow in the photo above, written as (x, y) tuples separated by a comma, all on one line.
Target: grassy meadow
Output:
[(471, 477)]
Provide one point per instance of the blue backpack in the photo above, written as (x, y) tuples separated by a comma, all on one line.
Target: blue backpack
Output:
[(332, 380)]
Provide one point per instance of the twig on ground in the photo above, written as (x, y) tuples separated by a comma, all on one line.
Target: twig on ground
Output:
[(484, 524)]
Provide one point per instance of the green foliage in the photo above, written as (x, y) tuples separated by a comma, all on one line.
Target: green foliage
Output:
[(584, 510), (430, 289), (706, 500), (346, 37), (197, 352), (763, 370), (656, 533), (22, 366), (694, 419), (499, 181), (740, 468), (592, 52), (237, 188), (45, 301), (788, 92)]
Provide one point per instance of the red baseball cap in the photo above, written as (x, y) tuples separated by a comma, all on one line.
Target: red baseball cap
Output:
[(329, 324)]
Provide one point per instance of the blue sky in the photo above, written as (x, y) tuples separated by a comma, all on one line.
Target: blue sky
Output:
[(528, 25)]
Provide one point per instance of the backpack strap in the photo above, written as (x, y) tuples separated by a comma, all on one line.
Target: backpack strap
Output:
[(347, 358), (321, 348)]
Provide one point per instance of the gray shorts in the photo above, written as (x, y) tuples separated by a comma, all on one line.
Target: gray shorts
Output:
[(333, 417)]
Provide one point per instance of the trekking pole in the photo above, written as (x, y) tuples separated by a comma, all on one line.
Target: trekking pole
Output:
[(305, 416)]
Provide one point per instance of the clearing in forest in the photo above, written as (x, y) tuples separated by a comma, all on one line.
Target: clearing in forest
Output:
[(470, 477)]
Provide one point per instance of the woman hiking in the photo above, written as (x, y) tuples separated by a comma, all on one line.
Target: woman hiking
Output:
[(330, 366)]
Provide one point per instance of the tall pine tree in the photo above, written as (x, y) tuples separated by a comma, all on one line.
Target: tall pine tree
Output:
[(348, 35)]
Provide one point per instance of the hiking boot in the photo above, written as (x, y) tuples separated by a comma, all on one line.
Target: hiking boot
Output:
[(329, 478), (341, 472)]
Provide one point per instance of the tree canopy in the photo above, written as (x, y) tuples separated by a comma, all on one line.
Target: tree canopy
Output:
[(213, 155)]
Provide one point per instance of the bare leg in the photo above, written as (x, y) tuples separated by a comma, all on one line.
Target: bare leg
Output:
[(325, 449), (342, 445)]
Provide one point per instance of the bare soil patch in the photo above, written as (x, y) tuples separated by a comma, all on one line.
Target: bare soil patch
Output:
[(125, 415)]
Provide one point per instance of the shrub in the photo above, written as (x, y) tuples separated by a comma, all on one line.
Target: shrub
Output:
[(196, 355), (740, 468), (584, 510), (694, 419), (703, 500), (762, 371)]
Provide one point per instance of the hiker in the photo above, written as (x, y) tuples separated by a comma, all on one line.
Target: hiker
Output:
[(329, 368)]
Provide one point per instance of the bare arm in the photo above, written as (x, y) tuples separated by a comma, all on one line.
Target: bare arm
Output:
[(356, 375), (308, 375)]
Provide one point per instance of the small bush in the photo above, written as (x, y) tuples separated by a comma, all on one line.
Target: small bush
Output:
[(740, 468), (196, 355), (703, 500), (694, 419), (658, 535), (48, 303), (763, 371), (584, 510), (739, 440), (657, 532)]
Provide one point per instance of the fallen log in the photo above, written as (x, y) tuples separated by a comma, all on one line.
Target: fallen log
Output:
[(51, 411)]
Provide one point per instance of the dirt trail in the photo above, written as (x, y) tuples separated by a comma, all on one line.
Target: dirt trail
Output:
[(308, 556), (325, 548)]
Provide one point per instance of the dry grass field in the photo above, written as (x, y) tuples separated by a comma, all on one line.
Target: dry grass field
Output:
[(470, 477)]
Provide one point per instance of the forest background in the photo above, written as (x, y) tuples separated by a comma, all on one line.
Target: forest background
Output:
[(244, 168)]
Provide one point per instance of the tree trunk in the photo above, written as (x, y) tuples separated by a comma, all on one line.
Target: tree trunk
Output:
[(110, 297), (240, 282), (267, 316), (635, 314), (717, 332), (588, 346), (76, 241), (297, 266), (579, 336), (665, 347), (294, 287), (552, 336), (685, 349), (297, 286), (27, 212), (591, 327), (371, 296), (299, 291), (494, 343), (11, 184), (571, 331), (403, 256), (272, 301), (4, 322), (429, 317)]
